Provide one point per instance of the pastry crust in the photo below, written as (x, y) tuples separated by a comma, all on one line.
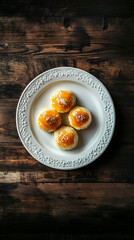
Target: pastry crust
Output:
[(79, 117), (48, 120), (63, 101), (66, 138)]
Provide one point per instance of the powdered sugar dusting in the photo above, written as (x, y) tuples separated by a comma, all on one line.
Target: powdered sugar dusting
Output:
[(81, 117), (61, 101), (51, 120), (64, 138)]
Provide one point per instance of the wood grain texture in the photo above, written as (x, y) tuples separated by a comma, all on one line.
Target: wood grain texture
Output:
[(94, 202), (57, 204), (35, 10), (18, 166)]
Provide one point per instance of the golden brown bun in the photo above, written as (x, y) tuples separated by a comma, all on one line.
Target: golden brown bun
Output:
[(79, 117), (49, 120), (66, 138), (62, 101)]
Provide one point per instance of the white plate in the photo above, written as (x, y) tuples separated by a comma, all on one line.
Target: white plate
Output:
[(90, 93)]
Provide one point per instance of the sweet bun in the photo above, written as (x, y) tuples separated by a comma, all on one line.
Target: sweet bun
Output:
[(63, 101), (79, 117), (48, 120), (66, 138)]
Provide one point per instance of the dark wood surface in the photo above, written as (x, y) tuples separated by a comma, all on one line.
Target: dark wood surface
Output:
[(94, 202)]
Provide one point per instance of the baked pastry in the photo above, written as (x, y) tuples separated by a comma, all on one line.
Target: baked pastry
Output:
[(63, 101), (66, 138), (49, 120), (79, 117)]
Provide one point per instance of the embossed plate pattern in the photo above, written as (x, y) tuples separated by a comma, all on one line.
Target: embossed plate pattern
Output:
[(92, 93)]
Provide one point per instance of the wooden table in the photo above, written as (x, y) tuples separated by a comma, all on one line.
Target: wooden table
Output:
[(97, 201)]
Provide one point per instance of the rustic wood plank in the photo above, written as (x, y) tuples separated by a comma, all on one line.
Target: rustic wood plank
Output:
[(35, 11), (17, 166), (15, 29), (66, 236), (55, 207), (87, 35), (113, 73)]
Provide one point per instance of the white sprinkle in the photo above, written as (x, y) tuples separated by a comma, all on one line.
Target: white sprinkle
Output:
[(81, 117), (51, 120), (62, 101)]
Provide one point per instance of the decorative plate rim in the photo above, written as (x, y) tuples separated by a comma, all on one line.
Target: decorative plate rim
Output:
[(23, 128)]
